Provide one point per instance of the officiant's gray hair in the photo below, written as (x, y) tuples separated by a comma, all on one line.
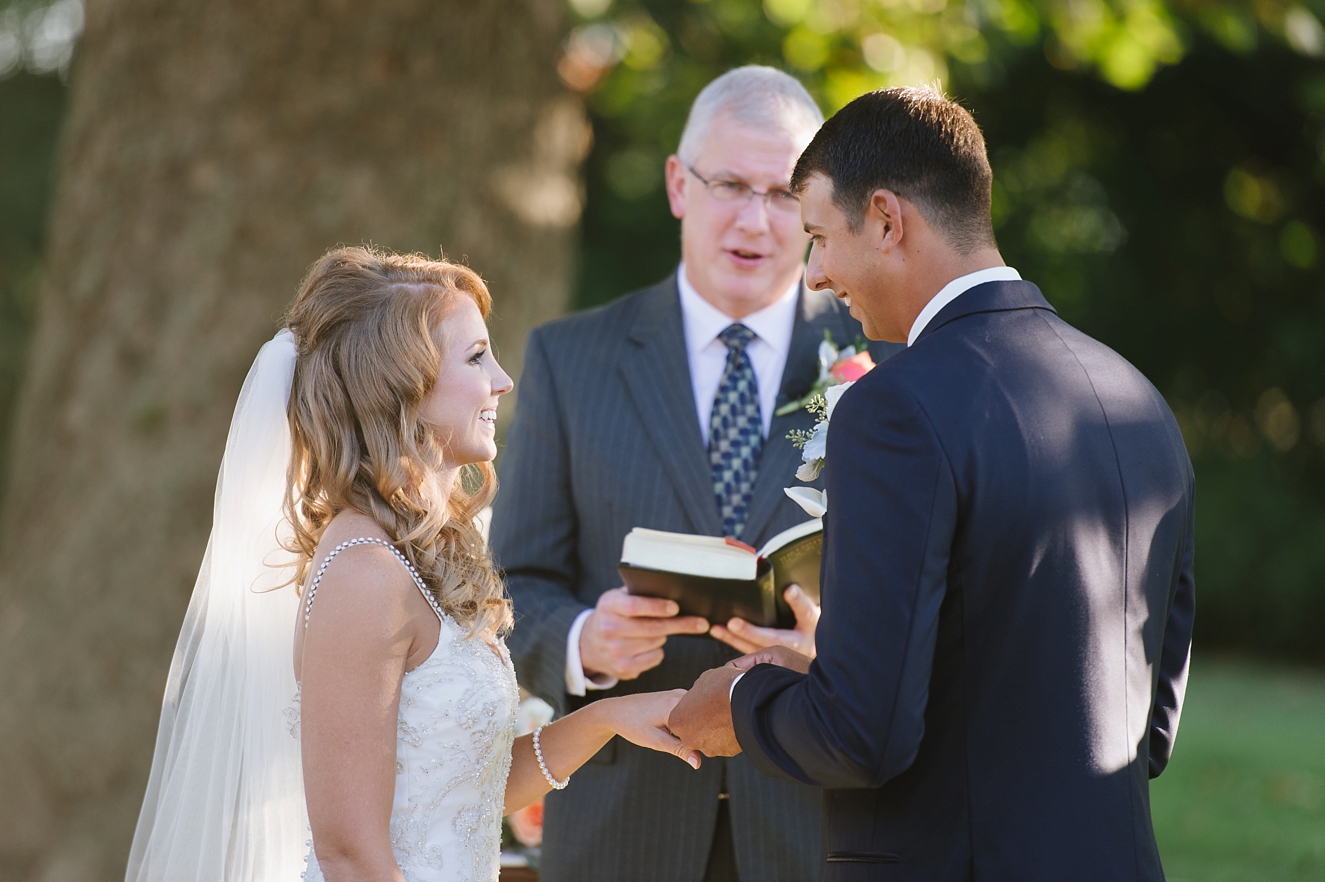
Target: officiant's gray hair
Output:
[(755, 96)]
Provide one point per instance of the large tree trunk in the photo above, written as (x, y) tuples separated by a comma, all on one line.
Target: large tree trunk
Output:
[(213, 150)]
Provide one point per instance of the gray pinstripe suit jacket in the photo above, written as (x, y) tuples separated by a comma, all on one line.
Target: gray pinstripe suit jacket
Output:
[(606, 439)]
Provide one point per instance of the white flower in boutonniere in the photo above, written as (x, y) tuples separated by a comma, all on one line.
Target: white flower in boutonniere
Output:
[(836, 366), (813, 446)]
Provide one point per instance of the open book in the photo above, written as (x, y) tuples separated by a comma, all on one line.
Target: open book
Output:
[(720, 578)]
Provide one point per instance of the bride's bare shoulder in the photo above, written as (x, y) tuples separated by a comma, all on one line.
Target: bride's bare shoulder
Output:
[(369, 562), (361, 601)]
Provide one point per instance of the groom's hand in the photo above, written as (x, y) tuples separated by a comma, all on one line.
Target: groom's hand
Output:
[(623, 637), (747, 638), (773, 655), (702, 719)]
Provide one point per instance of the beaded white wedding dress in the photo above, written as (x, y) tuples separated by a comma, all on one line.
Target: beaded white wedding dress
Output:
[(453, 752)]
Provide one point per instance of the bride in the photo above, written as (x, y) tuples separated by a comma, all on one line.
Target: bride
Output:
[(361, 444)]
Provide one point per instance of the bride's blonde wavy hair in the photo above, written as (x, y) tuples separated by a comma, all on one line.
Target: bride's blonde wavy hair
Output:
[(366, 323)]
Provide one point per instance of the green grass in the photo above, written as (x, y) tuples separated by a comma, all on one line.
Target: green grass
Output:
[(1244, 798)]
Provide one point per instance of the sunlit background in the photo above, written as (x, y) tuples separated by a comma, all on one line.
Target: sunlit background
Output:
[(1159, 168)]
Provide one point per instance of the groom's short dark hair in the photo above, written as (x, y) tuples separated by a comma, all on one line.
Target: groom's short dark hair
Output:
[(924, 147)]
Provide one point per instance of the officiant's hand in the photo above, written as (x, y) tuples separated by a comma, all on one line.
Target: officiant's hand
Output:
[(702, 719), (624, 635), (747, 638)]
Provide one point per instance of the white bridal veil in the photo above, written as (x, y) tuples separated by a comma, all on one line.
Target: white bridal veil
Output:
[(225, 801)]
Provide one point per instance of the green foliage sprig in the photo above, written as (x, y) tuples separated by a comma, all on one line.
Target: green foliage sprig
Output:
[(817, 405)]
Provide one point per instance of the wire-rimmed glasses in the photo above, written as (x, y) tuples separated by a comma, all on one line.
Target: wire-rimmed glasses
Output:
[(738, 194)]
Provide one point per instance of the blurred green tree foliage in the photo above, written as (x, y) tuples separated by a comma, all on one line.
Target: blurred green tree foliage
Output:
[(36, 45), (31, 108), (1158, 171), (1158, 164)]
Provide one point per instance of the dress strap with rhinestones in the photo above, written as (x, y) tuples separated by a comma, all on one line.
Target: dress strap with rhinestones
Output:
[(367, 540)]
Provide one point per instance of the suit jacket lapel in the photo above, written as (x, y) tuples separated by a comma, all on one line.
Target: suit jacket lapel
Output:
[(779, 460), (656, 371)]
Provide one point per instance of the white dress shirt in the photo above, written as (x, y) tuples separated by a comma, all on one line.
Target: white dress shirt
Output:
[(707, 355), (955, 289), (703, 322)]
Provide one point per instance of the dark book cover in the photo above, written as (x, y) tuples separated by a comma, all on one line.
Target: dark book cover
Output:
[(797, 562), (758, 601)]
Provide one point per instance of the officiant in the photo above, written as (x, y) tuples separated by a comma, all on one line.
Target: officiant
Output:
[(667, 409)]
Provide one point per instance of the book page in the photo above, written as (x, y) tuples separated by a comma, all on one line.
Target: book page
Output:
[(685, 553), (791, 534)]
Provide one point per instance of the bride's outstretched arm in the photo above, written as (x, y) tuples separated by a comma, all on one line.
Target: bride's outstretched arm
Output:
[(568, 743)]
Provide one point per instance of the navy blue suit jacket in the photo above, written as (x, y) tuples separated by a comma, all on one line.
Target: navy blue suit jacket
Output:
[(1007, 610)]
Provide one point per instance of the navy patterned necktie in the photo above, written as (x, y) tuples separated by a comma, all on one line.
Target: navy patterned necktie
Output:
[(736, 432)]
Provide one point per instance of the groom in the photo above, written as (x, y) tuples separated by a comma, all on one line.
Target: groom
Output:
[(1007, 578)]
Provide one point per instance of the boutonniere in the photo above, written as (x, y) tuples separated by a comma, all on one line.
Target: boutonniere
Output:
[(839, 369), (813, 446), (836, 366)]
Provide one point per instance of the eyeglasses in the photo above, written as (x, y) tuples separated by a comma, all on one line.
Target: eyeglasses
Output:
[(737, 194)]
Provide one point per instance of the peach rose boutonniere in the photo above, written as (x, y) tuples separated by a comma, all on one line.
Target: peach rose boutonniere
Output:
[(838, 371), (836, 366)]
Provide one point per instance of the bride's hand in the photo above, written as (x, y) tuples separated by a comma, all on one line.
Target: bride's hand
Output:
[(642, 719)]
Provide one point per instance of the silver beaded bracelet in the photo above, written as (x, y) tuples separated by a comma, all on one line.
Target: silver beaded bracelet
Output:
[(538, 752)]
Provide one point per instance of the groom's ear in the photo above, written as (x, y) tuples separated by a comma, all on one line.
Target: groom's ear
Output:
[(883, 219)]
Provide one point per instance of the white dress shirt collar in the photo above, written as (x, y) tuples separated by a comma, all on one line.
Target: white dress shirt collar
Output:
[(704, 322), (955, 289)]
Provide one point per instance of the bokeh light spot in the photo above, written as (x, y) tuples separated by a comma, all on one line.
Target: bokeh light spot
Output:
[(1297, 243)]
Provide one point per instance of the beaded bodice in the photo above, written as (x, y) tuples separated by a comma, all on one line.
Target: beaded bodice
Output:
[(453, 753)]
